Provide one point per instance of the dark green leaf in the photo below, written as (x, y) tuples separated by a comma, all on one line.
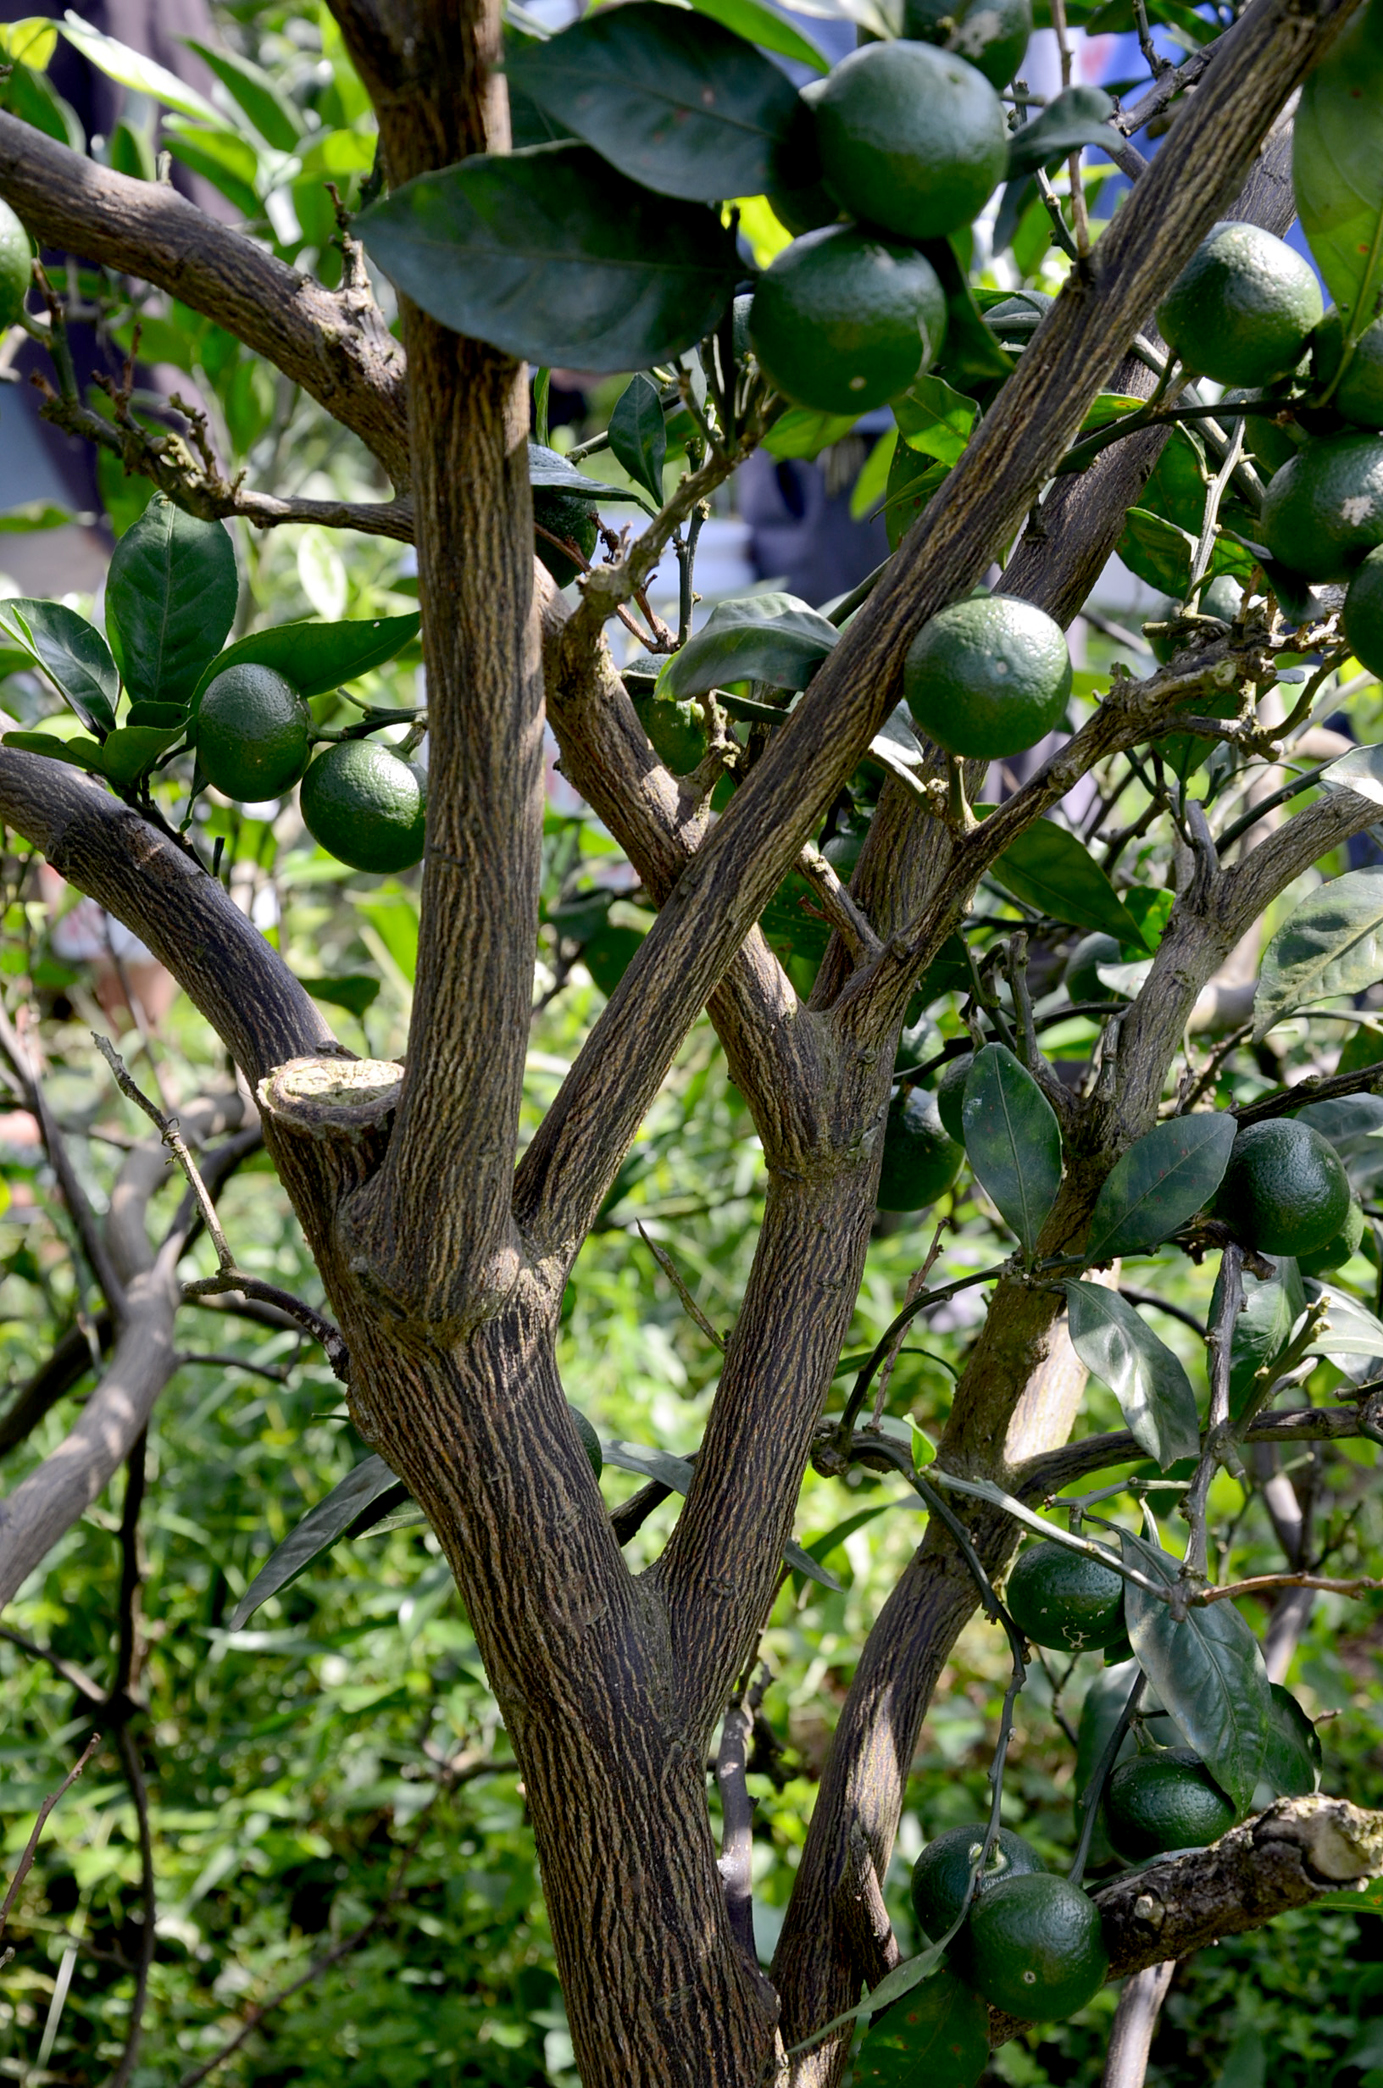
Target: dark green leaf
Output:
[(131, 750), (1161, 1181), (1361, 770), (273, 115), (166, 716), (1354, 1126), (772, 638), (1012, 1141), (1367, 1901), (1207, 1670), (677, 103), (316, 657), (948, 972), (1154, 1393), (1332, 944), (81, 753), (912, 480), (1076, 117), (1157, 551), (1293, 1751), (354, 993), (938, 2033), (1337, 164), (934, 420), (763, 25), (1048, 868), (170, 600), (548, 468), (551, 255), (1264, 1325), (73, 655), (370, 1487), (638, 435)]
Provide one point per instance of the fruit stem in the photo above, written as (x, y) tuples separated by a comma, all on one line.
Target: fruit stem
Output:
[(957, 807)]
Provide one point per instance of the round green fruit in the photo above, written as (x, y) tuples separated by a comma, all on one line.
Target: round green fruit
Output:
[(1269, 445), (254, 733), (1338, 1251), (1359, 393), (1363, 613), (590, 1441), (991, 34), (1065, 1599), (942, 1873), (920, 1161), (676, 732), (911, 138), (844, 319), (1243, 308), (1082, 977), (807, 208), (950, 1095), (1167, 1800), (569, 516), (1323, 512), (365, 806), (988, 677), (1284, 1190), (1034, 1947), (16, 267)]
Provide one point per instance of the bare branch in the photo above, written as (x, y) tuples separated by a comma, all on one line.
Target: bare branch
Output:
[(73, 1195), (31, 1846)]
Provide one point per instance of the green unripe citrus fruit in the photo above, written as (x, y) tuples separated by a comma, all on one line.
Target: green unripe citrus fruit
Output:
[(1062, 1598), (920, 1161), (1285, 1190), (1359, 393), (911, 138), (988, 677), (16, 267), (365, 806), (1082, 977), (1336, 1252), (1223, 598), (806, 208), (1167, 1800), (590, 1441), (1363, 613), (1034, 1946), (676, 731), (950, 1095), (1323, 512), (991, 34), (569, 516), (942, 1872), (254, 733), (1243, 308), (844, 319)]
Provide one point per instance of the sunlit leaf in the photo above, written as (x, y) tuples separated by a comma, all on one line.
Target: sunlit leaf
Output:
[(772, 638), (1118, 1346), (1332, 944), (71, 652), (1162, 1181), (1048, 868), (1013, 1142)]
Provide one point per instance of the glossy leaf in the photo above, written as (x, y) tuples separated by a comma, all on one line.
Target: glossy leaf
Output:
[(552, 256), (371, 1489), (1361, 770), (1350, 1328), (934, 419), (225, 159), (1154, 1393), (938, 2033), (674, 101), (1293, 1751), (638, 435), (269, 109), (1271, 1309), (765, 26), (1048, 868), (1076, 117), (1332, 944), (131, 750), (356, 992), (1354, 1126), (1012, 1141), (1157, 551), (316, 657), (170, 600), (772, 638), (1208, 1671), (73, 655), (1162, 1180), (80, 753), (677, 1472), (131, 69), (549, 469), (1337, 164)]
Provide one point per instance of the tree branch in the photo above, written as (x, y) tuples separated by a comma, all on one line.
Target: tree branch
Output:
[(335, 345)]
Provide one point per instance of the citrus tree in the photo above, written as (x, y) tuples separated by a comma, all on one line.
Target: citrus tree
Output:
[(883, 952)]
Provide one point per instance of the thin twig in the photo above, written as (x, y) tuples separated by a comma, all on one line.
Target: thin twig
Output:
[(1089, 1800), (31, 1846), (75, 1677), (73, 1195), (134, 1777), (167, 1128), (1266, 1583), (1218, 1345), (673, 1275), (916, 1284)]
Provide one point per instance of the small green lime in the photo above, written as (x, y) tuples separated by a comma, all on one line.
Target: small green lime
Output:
[(1359, 393), (16, 267), (1062, 1598), (1167, 1800), (911, 138), (804, 209), (1285, 1190), (1082, 976), (1034, 1947), (569, 516), (676, 732), (1243, 308), (1338, 1251), (988, 677), (254, 733), (844, 319), (590, 1441), (920, 1161), (942, 1872), (1323, 512), (1363, 613), (950, 1095), (991, 34), (365, 806)]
